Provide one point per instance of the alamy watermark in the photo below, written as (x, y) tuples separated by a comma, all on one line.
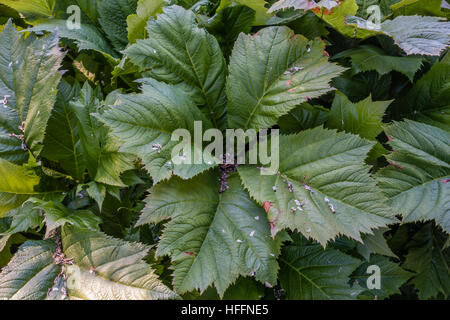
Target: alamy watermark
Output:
[(235, 146), (74, 20), (374, 19), (374, 280)]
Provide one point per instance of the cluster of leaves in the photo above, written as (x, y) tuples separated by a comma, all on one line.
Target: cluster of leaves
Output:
[(92, 207)]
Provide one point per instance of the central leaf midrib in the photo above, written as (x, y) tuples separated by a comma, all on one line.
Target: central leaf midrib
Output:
[(218, 207)]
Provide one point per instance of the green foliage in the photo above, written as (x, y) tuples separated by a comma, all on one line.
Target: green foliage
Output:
[(287, 69), (113, 265), (417, 179), (375, 243), (113, 19), (195, 64), (149, 119), (367, 58), (364, 118), (414, 34), (259, 6), (392, 278), (136, 22), (95, 204), (57, 215), (87, 37), (224, 234), (32, 9), (310, 273), (428, 257), (104, 162), (29, 81), (423, 8), (325, 193), (19, 183), (304, 116), (31, 272)]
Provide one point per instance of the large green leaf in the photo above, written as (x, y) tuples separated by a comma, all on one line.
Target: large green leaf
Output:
[(429, 260), (145, 123), (416, 182), (109, 269), (364, 118), (422, 8), (414, 34), (87, 37), (113, 19), (62, 141), (308, 272), (323, 188), (28, 82), (18, 183), (369, 57), (18, 179), (104, 161), (180, 53), (272, 72), (31, 272), (212, 238)]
